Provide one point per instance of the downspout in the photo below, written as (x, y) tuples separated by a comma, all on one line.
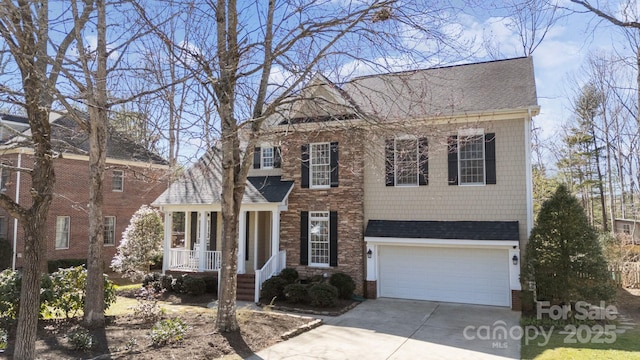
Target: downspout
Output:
[(529, 171), (15, 220)]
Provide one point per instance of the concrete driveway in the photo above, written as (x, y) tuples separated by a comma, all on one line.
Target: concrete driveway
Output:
[(406, 329)]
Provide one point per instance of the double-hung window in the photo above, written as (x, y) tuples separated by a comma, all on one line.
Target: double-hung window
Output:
[(320, 165), (267, 157), (319, 238), (406, 161), (62, 232), (109, 230), (471, 159), (117, 180)]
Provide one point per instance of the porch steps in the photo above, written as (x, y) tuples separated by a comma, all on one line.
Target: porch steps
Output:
[(246, 287)]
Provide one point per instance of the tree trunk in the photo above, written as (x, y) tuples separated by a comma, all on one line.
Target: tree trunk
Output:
[(34, 226), (94, 301)]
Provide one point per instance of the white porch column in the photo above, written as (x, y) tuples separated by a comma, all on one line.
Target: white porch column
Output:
[(275, 235), (168, 221), (241, 241), (202, 235)]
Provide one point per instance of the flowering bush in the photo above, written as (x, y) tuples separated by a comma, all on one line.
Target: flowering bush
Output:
[(141, 243)]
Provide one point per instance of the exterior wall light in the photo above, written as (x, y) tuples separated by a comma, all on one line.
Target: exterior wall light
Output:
[(515, 259), (369, 253)]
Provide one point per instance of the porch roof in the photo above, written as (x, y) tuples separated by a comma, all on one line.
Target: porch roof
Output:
[(458, 230), (202, 184)]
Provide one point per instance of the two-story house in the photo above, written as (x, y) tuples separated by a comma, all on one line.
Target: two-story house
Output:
[(417, 184), (134, 176)]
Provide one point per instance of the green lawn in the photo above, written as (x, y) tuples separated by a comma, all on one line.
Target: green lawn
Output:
[(625, 346)]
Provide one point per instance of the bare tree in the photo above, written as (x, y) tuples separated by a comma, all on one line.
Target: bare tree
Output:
[(24, 27), (237, 49)]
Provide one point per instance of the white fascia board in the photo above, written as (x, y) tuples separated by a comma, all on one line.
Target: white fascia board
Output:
[(503, 244)]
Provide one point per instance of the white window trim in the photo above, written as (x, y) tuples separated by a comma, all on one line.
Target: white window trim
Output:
[(114, 232), (122, 183), (311, 157), (273, 156), (325, 216), (68, 233), (464, 133), (395, 162)]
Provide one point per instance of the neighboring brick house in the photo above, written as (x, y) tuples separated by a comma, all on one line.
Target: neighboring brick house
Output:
[(417, 184), (134, 177)]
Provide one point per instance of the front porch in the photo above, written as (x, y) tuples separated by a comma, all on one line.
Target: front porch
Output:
[(192, 240)]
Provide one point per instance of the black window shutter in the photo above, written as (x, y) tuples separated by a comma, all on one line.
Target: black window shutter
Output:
[(304, 238), (423, 152), (389, 162), (277, 159), (333, 156), (305, 166), (333, 238), (247, 228), (490, 157), (452, 152), (213, 228), (257, 154)]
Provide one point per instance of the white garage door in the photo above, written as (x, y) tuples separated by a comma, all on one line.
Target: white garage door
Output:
[(464, 275)]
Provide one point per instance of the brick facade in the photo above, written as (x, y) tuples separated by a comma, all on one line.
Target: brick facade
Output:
[(142, 185), (347, 199)]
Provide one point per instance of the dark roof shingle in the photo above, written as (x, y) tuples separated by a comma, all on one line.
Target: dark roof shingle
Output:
[(458, 230)]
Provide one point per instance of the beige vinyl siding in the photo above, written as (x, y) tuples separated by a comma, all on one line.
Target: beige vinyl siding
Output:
[(504, 201)]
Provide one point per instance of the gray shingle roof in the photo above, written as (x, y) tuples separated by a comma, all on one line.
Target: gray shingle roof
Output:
[(202, 184), (487, 86), (68, 138), (453, 230)]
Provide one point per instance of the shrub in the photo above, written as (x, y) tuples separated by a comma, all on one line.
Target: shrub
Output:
[(166, 281), (290, 275), (344, 283), (81, 339), (152, 279), (273, 288), (147, 308), (9, 293), (323, 295), (168, 331), (211, 284), (55, 265), (194, 285), (61, 293), (4, 338), (178, 285), (296, 293)]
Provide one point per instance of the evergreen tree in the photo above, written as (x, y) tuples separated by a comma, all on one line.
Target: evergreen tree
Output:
[(564, 257)]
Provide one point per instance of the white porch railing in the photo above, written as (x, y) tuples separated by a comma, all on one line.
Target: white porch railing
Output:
[(273, 266), (182, 259)]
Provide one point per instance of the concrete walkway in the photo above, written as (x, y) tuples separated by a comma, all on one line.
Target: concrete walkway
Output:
[(406, 329)]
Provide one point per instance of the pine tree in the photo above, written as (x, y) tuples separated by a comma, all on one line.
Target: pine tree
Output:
[(563, 255)]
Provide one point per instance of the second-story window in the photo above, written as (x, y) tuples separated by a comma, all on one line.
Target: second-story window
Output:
[(117, 182), (62, 232), (267, 157), (320, 165), (406, 151)]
